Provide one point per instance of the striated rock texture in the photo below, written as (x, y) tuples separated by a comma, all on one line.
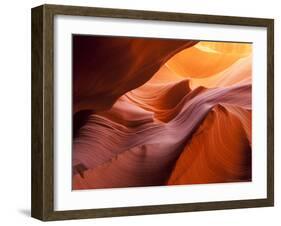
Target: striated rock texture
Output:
[(152, 111)]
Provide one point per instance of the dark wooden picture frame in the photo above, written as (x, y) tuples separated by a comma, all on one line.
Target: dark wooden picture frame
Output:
[(42, 204)]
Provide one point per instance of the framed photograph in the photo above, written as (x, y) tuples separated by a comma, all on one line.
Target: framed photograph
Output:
[(142, 112)]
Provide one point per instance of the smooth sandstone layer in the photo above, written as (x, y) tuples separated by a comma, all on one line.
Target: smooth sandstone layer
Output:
[(141, 122)]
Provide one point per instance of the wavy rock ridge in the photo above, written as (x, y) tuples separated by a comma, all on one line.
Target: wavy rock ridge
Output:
[(160, 112)]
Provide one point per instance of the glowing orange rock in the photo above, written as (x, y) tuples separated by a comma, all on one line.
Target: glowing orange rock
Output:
[(219, 151), (207, 58)]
